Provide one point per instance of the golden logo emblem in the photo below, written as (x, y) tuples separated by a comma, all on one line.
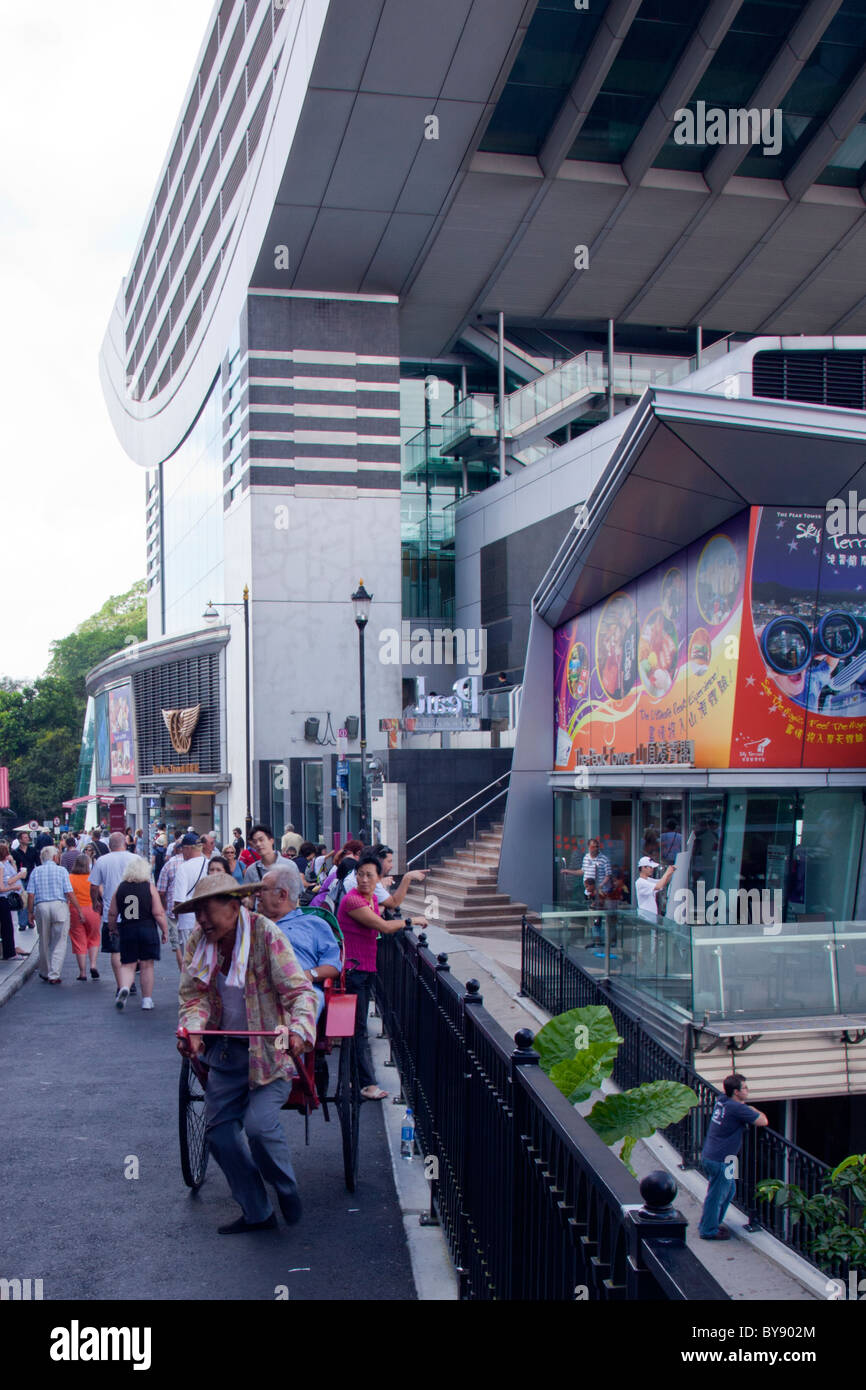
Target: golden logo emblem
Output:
[(181, 726)]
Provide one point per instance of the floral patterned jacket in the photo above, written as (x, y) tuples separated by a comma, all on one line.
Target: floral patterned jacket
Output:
[(276, 992)]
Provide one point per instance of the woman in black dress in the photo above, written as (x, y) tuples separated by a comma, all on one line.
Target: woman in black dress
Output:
[(137, 909)]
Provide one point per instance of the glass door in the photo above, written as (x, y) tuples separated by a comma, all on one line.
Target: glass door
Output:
[(313, 817)]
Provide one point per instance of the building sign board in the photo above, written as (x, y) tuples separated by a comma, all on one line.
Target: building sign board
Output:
[(750, 645), (121, 753)]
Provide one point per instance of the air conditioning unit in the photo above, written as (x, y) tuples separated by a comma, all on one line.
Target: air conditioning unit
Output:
[(311, 730), (351, 725)]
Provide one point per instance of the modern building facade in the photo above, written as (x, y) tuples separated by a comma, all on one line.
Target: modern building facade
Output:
[(397, 253)]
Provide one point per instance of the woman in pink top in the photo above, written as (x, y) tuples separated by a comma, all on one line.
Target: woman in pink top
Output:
[(360, 922)]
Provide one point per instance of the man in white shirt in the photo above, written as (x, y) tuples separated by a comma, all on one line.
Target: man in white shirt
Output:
[(209, 844), (188, 875), (647, 888)]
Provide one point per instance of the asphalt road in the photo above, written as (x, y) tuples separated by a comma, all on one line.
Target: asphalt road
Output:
[(82, 1088)]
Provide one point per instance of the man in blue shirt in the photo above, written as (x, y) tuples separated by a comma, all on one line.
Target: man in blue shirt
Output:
[(722, 1144), (316, 949), (50, 901)]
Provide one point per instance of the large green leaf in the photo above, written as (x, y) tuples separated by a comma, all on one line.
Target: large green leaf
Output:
[(578, 1076), (640, 1112), (560, 1039)]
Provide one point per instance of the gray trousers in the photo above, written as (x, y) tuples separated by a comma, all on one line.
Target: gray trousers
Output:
[(52, 920), (230, 1106)]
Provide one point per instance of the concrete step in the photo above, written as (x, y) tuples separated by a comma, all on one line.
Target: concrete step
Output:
[(453, 883), (484, 858), (455, 902), (462, 873), (501, 906)]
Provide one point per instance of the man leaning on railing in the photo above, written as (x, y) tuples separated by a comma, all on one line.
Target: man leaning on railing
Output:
[(719, 1159)]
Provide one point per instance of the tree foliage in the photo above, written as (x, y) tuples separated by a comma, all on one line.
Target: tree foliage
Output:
[(41, 722)]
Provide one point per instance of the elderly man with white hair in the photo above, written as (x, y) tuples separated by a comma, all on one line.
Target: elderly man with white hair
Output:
[(50, 900), (316, 949)]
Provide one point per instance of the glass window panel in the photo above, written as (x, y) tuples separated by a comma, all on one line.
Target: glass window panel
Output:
[(847, 163), (522, 119), (797, 130), (610, 128)]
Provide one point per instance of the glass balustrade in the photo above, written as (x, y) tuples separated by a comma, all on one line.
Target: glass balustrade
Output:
[(721, 973)]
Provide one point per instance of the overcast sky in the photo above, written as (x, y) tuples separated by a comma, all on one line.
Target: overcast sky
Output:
[(90, 95)]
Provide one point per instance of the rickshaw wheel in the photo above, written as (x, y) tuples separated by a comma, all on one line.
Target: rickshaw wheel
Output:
[(347, 1100), (194, 1148)]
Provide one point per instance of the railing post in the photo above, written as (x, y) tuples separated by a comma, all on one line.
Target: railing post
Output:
[(524, 1055), (657, 1221), (560, 1000), (521, 993)]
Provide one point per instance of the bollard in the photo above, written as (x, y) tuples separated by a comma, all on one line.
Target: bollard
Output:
[(524, 1055), (658, 1220)]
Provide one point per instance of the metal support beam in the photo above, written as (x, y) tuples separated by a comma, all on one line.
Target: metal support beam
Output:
[(501, 327), (610, 363)]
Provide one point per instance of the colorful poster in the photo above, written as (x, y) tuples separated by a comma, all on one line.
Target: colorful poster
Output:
[(103, 762), (120, 736), (648, 676), (802, 690)]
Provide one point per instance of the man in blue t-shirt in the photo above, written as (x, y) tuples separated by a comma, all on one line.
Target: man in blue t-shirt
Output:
[(724, 1138), (316, 949)]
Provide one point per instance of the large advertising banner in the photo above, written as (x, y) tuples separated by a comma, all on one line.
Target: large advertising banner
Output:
[(103, 762), (648, 676), (801, 697), (120, 736)]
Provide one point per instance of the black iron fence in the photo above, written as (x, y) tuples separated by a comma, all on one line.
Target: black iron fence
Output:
[(534, 1206), (556, 982)]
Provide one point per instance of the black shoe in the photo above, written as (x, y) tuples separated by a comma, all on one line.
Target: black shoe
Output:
[(132, 989), (94, 974), (237, 1228), (44, 977), (291, 1209), (721, 1234)]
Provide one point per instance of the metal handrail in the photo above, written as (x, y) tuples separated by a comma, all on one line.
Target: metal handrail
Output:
[(422, 854), (459, 807)]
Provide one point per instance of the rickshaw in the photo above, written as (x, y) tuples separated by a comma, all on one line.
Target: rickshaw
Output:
[(310, 1089)]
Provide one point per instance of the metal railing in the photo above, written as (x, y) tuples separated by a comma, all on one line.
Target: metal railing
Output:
[(557, 983), (533, 1204), (461, 825)]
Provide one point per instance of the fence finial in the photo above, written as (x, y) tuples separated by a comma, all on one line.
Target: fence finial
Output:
[(658, 1190)]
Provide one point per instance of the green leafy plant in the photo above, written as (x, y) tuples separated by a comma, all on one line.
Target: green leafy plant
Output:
[(577, 1050), (836, 1215)]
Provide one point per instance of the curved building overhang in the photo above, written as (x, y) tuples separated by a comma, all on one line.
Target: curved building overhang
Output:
[(142, 656), (151, 430), (686, 464)]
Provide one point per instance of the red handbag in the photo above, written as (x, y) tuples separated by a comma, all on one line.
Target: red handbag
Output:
[(340, 1010)]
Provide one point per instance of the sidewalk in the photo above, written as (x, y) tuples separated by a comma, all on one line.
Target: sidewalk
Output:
[(749, 1266), (15, 973)]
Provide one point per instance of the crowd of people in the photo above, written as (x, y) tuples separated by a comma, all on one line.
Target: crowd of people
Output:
[(249, 958)]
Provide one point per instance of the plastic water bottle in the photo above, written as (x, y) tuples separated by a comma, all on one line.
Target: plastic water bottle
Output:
[(407, 1136)]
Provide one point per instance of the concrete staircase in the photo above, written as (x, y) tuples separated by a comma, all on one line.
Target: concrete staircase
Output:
[(467, 899)]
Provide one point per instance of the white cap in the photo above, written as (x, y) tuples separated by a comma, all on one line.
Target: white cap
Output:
[(647, 863)]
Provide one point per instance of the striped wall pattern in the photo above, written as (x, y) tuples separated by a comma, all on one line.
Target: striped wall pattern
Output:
[(319, 399)]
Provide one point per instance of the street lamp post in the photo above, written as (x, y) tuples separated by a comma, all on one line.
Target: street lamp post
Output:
[(211, 615), (362, 600)]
